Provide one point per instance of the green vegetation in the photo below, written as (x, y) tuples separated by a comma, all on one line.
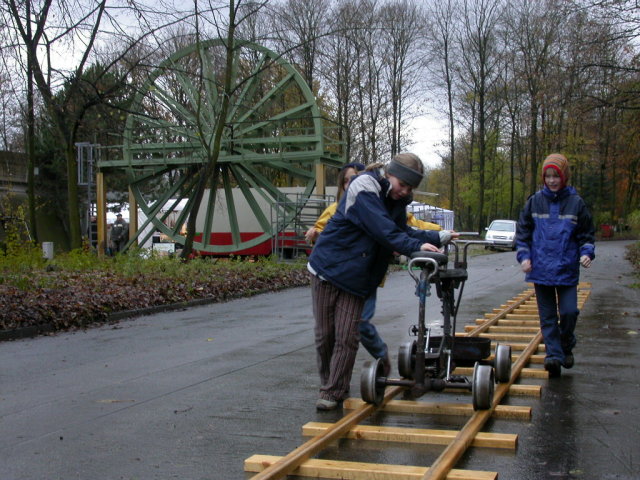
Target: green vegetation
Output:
[(78, 288)]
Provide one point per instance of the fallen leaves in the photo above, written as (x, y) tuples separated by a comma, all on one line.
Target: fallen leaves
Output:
[(80, 299)]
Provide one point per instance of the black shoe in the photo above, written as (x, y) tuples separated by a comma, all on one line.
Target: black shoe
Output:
[(568, 360), (323, 404), (552, 366)]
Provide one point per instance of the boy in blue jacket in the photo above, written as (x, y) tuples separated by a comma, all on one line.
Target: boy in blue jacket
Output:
[(350, 260), (555, 236)]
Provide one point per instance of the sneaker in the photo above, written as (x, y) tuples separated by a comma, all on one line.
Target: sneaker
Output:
[(568, 360), (552, 365), (325, 405)]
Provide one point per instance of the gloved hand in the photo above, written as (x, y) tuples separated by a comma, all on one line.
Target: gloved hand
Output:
[(585, 261)]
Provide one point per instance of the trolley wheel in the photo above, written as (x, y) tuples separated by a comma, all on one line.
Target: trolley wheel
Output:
[(482, 386), (407, 359), (503, 363), (371, 390)]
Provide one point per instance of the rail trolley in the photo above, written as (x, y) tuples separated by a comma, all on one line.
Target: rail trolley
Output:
[(427, 363)]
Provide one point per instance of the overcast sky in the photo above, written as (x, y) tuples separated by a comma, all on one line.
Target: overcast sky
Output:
[(428, 134)]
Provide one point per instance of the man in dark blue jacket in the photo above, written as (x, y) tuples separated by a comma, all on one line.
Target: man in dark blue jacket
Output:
[(555, 236), (350, 260)]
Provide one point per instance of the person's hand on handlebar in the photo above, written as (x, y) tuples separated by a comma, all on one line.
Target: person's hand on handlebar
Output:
[(427, 247), (447, 236)]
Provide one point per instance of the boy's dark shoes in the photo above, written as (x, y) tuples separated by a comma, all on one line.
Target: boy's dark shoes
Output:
[(568, 360), (552, 366)]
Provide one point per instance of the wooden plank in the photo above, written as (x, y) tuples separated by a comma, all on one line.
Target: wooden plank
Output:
[(534, 359), (512, 323), (494, 319), (530, 317), (516, 346), (528, 309), (508, 337), (533, 316), (316, 468), (311, 447), (506, 329), (519, 390), (414, 435), (516, 316), (510, 412), (441, 467), (515, 389), (525, 373), (525, 390)]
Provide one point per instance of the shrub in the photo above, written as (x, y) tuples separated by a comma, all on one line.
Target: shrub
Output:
[(19, 254), (633, 255), (633, 220), (79, 288)]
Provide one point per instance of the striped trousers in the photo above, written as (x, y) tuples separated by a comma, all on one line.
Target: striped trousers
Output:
[(336, 314)]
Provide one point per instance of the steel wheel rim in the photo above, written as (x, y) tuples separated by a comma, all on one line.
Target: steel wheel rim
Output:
[(370, 391), (407, 359), (503, 363), (482, 386)]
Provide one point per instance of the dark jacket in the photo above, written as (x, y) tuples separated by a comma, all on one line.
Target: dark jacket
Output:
[(354, 249), (554, 231), (119, 231)]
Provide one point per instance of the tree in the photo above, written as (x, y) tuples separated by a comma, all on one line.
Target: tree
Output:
[(300, 26), (9, 111), (209, 173), (338, 71), (401, 31), (535, 34), (479, 53), (441, 35), (50, 34), (66, 121)]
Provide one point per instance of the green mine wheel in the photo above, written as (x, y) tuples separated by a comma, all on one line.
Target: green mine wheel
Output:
[(273, 137)]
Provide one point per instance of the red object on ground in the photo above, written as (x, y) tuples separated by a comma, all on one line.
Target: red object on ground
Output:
[(607, 230)]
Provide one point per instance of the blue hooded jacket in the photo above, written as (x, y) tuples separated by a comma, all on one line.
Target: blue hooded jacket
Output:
[(554, 231), (354, 249)]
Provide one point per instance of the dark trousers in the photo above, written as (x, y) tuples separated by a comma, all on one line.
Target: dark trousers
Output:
[(558, 310), (369, 336), (337, 314)]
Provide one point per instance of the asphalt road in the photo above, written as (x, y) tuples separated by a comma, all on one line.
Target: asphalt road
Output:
[(192, 394)]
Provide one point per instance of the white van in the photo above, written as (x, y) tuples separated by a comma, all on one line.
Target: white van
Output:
[(501, 234)]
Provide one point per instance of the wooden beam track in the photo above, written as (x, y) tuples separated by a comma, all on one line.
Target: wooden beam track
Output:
[(514, 324)]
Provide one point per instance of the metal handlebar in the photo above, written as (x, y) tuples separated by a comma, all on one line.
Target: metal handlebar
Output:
[(433, 268), (465, 244)]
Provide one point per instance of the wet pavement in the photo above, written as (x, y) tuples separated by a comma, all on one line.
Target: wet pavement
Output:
[(192, 394)]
